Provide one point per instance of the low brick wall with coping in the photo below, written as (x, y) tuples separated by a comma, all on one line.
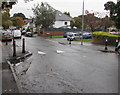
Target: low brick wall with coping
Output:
[(102, 41), (58, 31)]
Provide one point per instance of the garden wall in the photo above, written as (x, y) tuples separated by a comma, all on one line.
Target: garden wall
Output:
[(57, 31), (102, 41)]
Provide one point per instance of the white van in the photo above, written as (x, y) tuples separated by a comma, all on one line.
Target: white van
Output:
[(17, 33)]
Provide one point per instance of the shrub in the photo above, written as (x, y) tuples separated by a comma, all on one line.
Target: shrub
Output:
[(106, 35)]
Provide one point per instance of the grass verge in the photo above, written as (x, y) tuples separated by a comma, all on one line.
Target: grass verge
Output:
[(85, 40), (57, 36)]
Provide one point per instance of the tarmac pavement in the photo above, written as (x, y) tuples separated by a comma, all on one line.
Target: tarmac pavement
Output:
[(8, 83)]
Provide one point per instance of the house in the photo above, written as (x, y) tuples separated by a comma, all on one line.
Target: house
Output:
[(62, 20)]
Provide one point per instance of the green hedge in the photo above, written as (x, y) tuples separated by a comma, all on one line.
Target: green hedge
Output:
[(106, 35)]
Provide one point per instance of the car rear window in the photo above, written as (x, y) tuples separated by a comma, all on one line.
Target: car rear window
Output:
[(6, 33)]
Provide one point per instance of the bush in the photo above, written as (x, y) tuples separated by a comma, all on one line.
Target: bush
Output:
[(106, 35)]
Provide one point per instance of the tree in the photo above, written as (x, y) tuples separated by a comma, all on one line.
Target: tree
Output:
[(114, 12), (6, 19), (92, 21), (106, 22), (77, 22), (19, 15), (67, 13), (44, 15), (17, 22)]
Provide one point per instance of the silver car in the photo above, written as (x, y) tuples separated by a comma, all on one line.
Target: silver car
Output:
[(73, 36)]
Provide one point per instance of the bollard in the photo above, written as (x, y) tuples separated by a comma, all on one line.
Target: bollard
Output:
[(6, 41), (116, 45), (14, 48), (69, 41), (106, 42), (23, 46)]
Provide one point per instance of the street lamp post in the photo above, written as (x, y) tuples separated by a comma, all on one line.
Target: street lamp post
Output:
[(82, 24)]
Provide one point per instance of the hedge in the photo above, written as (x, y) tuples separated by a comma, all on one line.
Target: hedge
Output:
[(106, 35)]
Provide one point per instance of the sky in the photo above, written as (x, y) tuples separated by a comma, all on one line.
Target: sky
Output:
[(72, 6)]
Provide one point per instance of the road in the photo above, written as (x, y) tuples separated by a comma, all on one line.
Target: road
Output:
[(57, 67)]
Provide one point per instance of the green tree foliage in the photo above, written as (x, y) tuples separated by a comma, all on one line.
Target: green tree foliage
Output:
[(44, 15), (114, 12), (17, 22), (77, 22), (6, 19), (19, 15), (67, 13), (7, 5)]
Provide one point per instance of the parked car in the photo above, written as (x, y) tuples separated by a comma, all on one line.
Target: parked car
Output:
[(17, 33), (87, 35), (66, 34), (79, 33), (23, 32), (73, 36), (118, 47), (29, 34), (5, 35), (65, 27)]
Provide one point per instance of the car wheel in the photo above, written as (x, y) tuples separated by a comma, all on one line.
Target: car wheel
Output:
[(20, 37)]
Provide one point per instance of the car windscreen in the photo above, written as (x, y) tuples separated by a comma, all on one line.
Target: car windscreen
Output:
[(70, 35)]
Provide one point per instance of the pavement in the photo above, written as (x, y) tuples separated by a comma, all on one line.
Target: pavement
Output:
[(9, 84)]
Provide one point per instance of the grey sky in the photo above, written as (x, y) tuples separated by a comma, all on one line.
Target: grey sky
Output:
[(72, 6)]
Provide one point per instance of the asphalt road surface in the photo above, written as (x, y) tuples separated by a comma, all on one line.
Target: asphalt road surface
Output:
[(57, 67)]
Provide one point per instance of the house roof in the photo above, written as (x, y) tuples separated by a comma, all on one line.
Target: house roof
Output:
[(62, 17)]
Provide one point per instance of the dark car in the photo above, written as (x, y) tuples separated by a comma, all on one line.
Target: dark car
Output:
[(66, 34), (6, 36), (29, 34)]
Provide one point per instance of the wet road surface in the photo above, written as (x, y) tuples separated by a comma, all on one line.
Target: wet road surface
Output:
[(57, 67)]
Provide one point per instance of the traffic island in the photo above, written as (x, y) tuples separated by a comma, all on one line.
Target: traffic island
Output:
[(20, 57), (109, 51)]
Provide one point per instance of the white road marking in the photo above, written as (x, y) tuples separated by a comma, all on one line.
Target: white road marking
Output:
[(41, 53), (60, 51)]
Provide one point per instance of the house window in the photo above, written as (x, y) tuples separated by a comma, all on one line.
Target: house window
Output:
[(65, 23)]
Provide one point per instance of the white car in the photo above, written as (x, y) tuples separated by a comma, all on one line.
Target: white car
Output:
[(17, 33), (73, 36)]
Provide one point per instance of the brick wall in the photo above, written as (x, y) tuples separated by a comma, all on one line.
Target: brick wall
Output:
[(102, 41)]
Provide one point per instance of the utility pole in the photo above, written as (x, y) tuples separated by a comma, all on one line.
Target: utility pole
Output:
[(82, 23)]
